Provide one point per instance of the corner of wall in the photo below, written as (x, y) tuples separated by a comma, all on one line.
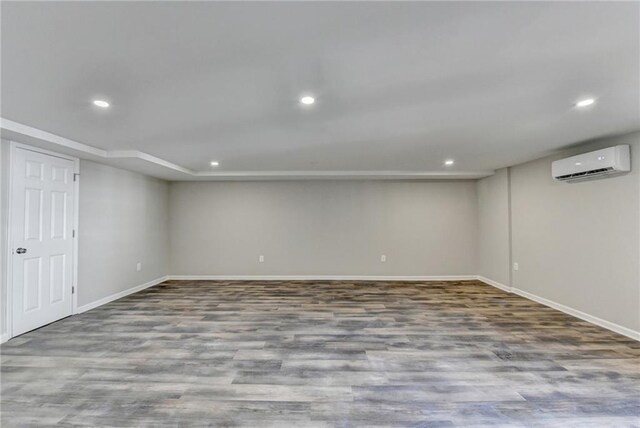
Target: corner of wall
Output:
[(4, 236)]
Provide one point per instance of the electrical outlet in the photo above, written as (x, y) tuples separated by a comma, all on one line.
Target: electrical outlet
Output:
[(139, 267), (516, 266), (383, 258), (261, 259)]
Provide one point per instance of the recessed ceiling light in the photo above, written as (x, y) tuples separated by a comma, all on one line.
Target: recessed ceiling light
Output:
[(307, 100), (448, 162), (101, 103), (586, 102), (214, 163)]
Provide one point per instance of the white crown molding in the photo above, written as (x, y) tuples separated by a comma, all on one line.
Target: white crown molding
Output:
[(39, 134), (171, 171), (86, 149), (363, 175), (135, 154)]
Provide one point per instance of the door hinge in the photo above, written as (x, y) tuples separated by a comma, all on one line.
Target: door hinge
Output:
[(73, 233), (73, 290), (75, 176)]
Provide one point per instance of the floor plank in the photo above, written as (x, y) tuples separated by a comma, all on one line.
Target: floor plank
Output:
[(321, 354)]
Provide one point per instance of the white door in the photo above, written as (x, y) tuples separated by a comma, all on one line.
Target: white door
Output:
[(42, 208)]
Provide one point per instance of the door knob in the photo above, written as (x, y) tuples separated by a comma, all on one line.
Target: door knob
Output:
[(21, 250)]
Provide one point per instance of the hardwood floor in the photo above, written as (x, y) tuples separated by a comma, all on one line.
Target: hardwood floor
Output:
[(436, 354)]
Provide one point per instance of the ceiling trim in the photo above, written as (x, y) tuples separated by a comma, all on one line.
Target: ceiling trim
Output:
[(39, 134), (66, 143), (364, 175), (85, 151)]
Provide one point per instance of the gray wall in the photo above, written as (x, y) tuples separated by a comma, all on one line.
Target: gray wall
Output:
[(323, 228), (493, 227), (123, 220), (578, 244)]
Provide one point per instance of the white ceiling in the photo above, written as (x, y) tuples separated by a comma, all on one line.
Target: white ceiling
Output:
[(400, 86)]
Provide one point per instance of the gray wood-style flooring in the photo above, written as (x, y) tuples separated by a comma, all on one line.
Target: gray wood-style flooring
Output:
[(297, 354)]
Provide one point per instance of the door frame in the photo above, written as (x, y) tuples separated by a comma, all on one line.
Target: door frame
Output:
[(14, 146)]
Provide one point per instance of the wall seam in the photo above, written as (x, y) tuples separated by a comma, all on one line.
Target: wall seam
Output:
[(510, 226)]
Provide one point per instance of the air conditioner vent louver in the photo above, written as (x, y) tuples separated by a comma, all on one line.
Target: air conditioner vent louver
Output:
[(605, 162), (591, 173)]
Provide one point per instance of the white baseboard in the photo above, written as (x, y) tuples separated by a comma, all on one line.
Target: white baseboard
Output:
[(496, 284), (579, 314), (120, 295), (566, 309), (319, 278), (560, 307)]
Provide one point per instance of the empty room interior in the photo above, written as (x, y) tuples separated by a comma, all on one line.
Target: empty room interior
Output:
[(320, 214)]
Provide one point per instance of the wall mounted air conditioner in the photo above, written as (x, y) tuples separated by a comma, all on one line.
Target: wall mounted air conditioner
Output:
[(604, 162)]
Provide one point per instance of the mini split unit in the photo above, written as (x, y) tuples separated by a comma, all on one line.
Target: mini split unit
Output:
[(605, 162)]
